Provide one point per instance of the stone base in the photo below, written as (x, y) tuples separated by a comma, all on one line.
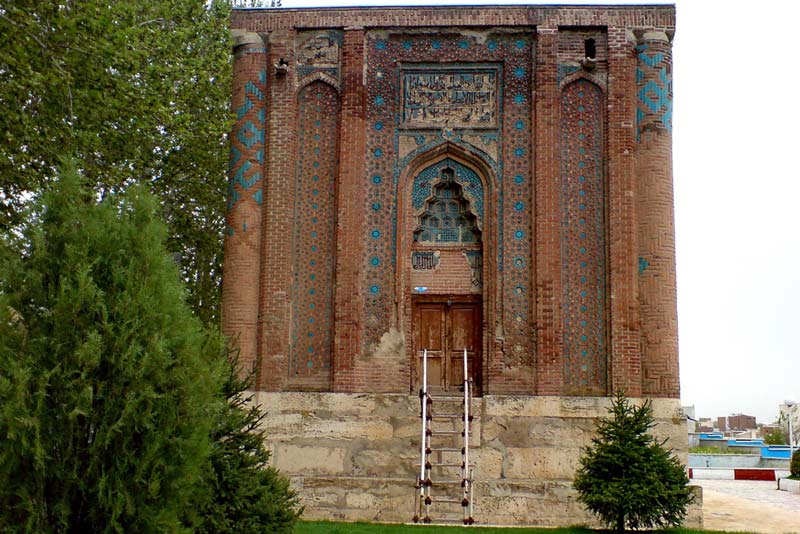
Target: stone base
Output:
[(355, 457)]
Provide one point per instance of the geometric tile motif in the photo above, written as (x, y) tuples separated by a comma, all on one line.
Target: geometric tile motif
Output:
[(515, 202), (654, 80), (512, 55), (583, 239), (247, 143), (313, 231)]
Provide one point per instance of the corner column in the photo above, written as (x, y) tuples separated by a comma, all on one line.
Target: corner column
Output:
[(655, 216), (240, 288)]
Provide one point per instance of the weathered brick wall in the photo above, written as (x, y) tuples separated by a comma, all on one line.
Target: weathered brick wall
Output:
[(549, 328)]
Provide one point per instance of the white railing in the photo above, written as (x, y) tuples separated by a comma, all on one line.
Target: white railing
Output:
[(423, 498), (423, 398), (466, 475)]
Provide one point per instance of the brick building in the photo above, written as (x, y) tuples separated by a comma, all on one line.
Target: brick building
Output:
[(736, 422), (489, 179)]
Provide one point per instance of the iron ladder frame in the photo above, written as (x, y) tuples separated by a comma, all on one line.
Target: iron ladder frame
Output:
[(423, 499)]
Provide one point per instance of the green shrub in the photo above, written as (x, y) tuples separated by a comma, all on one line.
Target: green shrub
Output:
[(794, 468), (718, 450), (627, 477), (243, 495), (776, 436), (107, 380)]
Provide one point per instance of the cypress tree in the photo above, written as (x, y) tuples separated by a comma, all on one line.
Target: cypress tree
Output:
[(627, 477), (106, 377)]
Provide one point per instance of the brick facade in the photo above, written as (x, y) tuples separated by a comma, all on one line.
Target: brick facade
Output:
[(385, 156)]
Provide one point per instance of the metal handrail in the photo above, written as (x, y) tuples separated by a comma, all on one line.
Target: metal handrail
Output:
[(424, 498), (465, 471)]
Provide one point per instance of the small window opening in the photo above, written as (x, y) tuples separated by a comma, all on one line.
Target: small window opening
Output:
[(589, 48)]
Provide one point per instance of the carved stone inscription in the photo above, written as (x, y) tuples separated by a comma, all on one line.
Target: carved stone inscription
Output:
[(319, 49), (453, 98)]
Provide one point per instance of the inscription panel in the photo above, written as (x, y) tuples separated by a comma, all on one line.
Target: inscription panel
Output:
[(463, 98)]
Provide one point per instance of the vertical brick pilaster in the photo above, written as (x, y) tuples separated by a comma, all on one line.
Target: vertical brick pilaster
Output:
[(348, 304), (242, 250), (655, 217), (276, 274), (549, 368), (625, 358)]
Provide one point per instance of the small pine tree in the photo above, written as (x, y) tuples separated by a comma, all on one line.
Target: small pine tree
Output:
[(627, 477), (243, 495), (107, 380)]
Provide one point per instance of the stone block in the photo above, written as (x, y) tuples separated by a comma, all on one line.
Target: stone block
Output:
[(360, 500), (488, 463), (371, 429), (542, 463), (400, 462), (294, 459)]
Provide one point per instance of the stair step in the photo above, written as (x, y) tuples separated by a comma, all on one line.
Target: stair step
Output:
[(446, 449), (450, 521), (448, 500), (445, 464), (447, 482)]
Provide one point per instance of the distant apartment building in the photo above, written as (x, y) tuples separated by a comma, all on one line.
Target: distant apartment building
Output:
[(736, 422)]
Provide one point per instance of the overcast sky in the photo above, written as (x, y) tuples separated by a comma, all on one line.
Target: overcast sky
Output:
[(737, 181)]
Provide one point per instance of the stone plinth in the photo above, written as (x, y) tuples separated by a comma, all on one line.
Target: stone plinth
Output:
[(355, 456)]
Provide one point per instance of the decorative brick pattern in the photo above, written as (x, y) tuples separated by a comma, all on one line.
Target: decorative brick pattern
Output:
[(583, 243), (654, 81), (314, 235), (244, 199), (444, 57), (492, 93), (655, 218)]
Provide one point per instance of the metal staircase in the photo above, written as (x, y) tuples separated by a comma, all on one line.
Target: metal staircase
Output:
[(444, 492)]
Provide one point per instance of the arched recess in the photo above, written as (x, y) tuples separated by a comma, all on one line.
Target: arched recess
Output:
[(313, 235), (319, 76), (584, 271), (474, 183)]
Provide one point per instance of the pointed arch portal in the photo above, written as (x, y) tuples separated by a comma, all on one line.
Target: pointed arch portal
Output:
[(442, 251)]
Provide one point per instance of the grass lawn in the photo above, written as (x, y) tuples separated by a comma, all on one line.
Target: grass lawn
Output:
[(326, 527)]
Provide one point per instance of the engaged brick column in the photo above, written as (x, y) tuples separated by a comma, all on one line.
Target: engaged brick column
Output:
[(655, 217), (625, 356), (277, 239), (549, 363), (349, 311), (240, 287)]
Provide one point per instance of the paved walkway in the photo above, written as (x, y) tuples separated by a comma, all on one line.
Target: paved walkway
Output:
[(749, 506)]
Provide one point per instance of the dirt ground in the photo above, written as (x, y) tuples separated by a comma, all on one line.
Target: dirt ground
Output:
[(749, 506)]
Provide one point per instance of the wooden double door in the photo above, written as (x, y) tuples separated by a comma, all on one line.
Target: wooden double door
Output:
[(445, 327)]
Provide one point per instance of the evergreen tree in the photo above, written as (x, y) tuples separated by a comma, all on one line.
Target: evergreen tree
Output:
[(629, 478), (243, 494), (107, 380)]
